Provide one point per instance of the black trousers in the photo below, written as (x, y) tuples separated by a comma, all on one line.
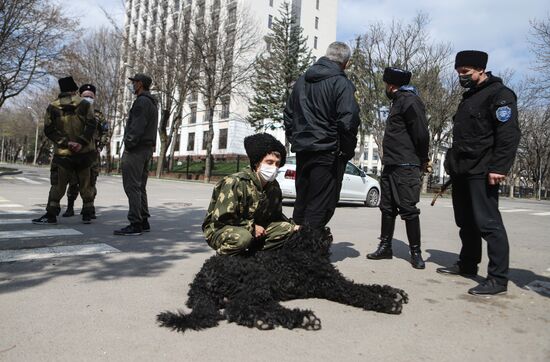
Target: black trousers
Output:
[(135, 171), (475, 204), (318, 183), (400, 191)]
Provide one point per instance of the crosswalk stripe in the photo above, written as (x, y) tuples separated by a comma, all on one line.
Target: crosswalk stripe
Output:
[(17, 234), (55, 251), (29, 181), (14, 221), (18, 212), (541, 213), (10, 205), (515, 210), (3, 199), (45, 179)]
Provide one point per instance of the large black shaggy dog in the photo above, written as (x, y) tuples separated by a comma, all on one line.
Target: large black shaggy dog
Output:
[(247, 289)]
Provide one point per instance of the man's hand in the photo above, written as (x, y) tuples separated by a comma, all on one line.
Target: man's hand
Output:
[(427, 167), (75, 146), (296, 227), (259, 231), (495, 178)]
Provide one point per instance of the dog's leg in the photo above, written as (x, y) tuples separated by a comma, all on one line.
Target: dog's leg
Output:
[(269, 315), (373, 297)]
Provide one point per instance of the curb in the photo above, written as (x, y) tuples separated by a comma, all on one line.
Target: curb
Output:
[(14, 172)]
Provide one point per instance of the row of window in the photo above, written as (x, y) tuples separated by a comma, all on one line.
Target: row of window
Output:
[(316, 4), (222, 140)]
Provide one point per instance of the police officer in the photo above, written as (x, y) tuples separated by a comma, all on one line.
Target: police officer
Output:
[(101, 138), (246, 208), (485, 139), (70, 124), (406, 142)]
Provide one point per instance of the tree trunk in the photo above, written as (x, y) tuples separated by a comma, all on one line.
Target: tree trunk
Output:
[(209, 138), (164, 141)]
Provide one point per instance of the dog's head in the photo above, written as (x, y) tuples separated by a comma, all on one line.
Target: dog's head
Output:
[(310, 240)]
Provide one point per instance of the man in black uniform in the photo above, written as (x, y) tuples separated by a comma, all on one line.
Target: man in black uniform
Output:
[(485, 139), (140, 138), (406, 142), (321, 120)]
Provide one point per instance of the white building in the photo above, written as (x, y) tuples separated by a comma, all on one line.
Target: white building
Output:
[(146, 18)]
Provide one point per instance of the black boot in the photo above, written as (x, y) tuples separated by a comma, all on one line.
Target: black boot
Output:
[(70, 208), (386, 235), (413, 234)]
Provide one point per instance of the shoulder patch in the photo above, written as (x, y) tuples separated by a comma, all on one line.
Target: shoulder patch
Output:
[(504, 113)]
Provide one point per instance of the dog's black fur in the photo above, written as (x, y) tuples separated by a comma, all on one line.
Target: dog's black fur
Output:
[(247, 289)]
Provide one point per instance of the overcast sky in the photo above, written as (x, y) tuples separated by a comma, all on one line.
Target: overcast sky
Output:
[(499, 27)]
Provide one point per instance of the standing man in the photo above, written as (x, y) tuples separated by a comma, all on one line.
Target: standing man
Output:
[(140, 139), (321, 120), (246, 210), (485, 139), (70, 124), (101, 138), (406, 141)]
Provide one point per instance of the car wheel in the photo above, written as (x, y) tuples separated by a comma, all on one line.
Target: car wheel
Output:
[(372, 198)]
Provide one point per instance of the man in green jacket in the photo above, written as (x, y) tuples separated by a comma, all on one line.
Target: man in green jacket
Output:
[(246, 208)]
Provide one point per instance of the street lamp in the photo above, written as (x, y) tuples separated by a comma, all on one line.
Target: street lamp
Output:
[(36, 136)]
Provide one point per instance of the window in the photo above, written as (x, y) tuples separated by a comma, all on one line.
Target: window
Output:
[(222, 141), (117, 152), (177, 141), (232, 15), (225, 109), (352, 170), (270, 21), (191, 141), (193, 117), (268, 45), (317, 5), (315, 39), (176, 5), (204, 139), (316, 22), (271, 3)]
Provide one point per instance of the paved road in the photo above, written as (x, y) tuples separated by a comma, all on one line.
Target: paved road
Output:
[(97, 299)]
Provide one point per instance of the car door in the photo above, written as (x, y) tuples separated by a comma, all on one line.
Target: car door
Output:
[(353, 184)]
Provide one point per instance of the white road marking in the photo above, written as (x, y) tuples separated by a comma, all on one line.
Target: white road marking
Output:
[(37, 233), (541, 213), (45, 179), (29, 181), (15, 221), (18, 212), (3, 199), (55, 251), (10, 205), (516, 210)]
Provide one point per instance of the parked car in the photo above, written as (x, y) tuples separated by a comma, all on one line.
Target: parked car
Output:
[(356, 185)]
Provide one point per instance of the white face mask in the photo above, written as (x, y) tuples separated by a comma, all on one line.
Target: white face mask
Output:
[(89, 99), (268, 173)]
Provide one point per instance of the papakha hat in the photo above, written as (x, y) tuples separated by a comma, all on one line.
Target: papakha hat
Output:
[(396, 76), (259, 145), (471, 58)]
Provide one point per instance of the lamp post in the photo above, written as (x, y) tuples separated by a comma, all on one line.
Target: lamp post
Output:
[(36, 136)]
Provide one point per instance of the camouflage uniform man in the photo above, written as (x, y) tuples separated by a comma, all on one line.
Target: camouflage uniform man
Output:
[(70, 124), (246, 208), (101, 138)]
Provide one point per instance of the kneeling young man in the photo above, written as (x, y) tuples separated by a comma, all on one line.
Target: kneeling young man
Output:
[(246, 209)]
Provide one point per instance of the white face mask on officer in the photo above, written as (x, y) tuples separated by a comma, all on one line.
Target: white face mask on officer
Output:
[(268, 173), (89, 100)]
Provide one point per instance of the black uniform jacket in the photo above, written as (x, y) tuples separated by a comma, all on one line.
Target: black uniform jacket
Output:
[(141, 127), (406, 137), (485, 130), (321, 113)]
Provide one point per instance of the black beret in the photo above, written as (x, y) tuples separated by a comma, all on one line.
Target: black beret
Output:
[(144, 79), (67, 84), (86, 87), (259, 145), (471, 58), (396, 76)]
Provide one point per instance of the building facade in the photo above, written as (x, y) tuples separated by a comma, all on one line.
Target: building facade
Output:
[(147, 20)]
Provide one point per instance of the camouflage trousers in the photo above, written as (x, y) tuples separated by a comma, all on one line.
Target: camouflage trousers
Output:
[(231, 240), (72, 191), (60, 176)]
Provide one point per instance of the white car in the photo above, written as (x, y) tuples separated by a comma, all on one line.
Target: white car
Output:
[(356, 185)]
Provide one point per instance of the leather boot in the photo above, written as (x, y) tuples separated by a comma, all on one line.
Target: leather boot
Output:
[(413, 234), (70, 208), (384, 250)]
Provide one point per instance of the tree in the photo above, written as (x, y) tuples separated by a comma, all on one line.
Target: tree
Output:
[(540, 47), (275, 71), (224, 44), (32, 34)]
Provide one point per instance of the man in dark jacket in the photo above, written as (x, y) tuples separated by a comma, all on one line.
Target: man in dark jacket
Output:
[(485, 139), (140, 137), (406, 141), (321, 121)]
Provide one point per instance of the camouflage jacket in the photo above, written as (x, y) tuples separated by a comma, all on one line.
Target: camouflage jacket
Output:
[(70, 118), (101, 135), (239, 200)]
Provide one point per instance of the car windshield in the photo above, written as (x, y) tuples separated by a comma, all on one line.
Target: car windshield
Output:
[(291, 160)]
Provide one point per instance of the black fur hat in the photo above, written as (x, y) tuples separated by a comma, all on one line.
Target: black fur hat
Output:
[(86, 87), (259, 145), (471, 58), (396, 76), (67, 84)]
